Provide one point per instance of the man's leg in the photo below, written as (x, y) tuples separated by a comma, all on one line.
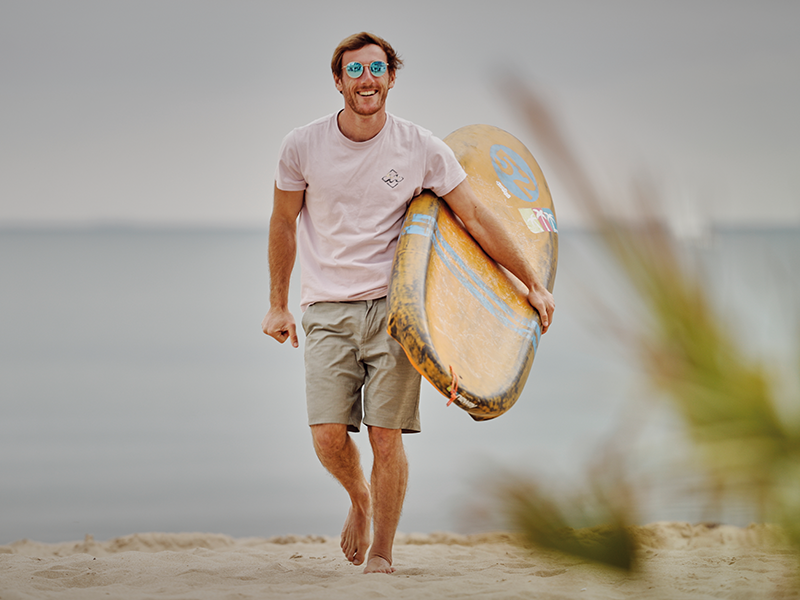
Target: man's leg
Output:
[(339, 455), (389, 480)]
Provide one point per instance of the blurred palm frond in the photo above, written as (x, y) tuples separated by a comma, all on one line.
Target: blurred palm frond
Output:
[(688, 351), (570, 526)]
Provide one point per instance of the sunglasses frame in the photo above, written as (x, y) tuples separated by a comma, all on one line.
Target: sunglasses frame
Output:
[(383, 68)]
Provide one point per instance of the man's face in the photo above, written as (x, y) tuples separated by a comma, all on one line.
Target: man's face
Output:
[(366, 95)]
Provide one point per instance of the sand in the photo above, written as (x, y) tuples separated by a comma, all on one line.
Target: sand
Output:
[(678, 561)]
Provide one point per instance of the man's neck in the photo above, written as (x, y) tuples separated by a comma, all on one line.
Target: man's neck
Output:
[(359, 128)]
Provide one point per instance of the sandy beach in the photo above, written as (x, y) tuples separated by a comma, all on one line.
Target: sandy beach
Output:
[(677, 560)]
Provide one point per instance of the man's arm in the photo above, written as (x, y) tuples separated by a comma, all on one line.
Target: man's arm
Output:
[(487, 230), (279, 322)]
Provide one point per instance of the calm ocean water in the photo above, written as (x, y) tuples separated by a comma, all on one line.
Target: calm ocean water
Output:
[(137, 392)]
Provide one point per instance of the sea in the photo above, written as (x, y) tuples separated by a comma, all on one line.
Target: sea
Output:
[(138, 393)]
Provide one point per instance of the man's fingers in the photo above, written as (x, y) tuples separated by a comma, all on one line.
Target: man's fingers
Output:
[(548, 317), (543, 318), (545, 307), (280, 328), (287, 334)]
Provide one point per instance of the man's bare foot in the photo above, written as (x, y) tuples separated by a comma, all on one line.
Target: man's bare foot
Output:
[(376, 564), (355, 535)]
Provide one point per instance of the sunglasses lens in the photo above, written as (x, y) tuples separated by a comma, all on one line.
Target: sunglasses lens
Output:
[(377, 68), (354, 69)]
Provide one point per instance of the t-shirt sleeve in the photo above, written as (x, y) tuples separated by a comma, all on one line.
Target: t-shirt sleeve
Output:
[(289, 173), (442, 170)]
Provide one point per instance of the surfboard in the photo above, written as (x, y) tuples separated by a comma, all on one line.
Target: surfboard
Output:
[(464, 321)]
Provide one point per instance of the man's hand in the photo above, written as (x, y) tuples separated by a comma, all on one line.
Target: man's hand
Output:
[(279, 324), (543, 302)]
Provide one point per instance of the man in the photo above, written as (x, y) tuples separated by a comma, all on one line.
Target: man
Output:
[(349, 178)]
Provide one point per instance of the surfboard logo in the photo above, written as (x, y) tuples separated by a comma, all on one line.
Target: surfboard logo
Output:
[(514, 173), (539, 220), (392, 178), (504, 190), (464, 403)]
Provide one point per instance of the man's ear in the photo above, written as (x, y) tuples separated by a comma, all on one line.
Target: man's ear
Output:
[(338, 82)]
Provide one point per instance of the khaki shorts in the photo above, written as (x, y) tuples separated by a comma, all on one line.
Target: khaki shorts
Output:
[(349, 353)]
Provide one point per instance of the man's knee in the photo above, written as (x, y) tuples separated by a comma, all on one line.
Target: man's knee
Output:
[(329, 438), (386, 443)]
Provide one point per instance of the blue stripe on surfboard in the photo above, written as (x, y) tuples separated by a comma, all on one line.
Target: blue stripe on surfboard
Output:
[(422, 225), (419, 218), (416, 230), (491, 301)]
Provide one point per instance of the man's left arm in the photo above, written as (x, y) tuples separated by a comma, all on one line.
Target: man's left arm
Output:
[(488, 231)]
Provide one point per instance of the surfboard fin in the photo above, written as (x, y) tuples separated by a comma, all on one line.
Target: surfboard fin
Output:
[(479, 418)]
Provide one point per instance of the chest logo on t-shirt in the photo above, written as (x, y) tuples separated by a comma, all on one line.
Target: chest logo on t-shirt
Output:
[(392, 178)]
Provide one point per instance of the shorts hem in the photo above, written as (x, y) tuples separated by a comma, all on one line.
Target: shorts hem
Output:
[(350, 427), (413, 429)]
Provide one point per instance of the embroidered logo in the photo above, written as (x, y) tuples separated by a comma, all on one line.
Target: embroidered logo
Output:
[(392, 178)]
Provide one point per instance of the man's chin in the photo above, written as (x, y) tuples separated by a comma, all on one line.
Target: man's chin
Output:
[(366, 112), (366, 109)]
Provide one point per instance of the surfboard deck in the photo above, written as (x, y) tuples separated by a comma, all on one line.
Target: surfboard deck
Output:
[(464, 321)]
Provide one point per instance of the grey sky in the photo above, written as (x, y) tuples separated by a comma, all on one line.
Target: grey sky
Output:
[(171, 112)]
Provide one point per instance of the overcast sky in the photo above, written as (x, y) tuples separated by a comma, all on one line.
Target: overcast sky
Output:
[(171, 112)]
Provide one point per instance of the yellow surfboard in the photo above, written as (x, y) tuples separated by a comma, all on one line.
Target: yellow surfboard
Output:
[(464, 321)]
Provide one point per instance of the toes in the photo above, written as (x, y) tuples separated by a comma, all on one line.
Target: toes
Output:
[(348, 549)]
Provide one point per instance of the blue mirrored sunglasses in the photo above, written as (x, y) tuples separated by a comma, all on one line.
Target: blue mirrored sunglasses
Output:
[(356, 69)]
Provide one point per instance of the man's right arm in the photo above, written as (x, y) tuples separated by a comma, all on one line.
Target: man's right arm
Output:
[(279, 322)]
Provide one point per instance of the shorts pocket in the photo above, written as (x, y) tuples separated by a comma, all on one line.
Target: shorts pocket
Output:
[(305, 320)]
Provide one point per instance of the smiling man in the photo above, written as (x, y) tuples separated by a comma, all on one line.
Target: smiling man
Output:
[(342, 187)]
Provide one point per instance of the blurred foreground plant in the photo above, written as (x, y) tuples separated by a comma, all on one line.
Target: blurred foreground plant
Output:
[(727, 400), (569, 525)]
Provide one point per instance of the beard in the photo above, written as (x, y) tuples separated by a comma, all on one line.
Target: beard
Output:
[(369, 108)]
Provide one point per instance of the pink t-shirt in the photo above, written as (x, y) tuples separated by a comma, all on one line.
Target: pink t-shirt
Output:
[(356, 198)]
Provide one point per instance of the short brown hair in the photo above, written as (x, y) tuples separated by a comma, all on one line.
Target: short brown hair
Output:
[(358, 41)]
